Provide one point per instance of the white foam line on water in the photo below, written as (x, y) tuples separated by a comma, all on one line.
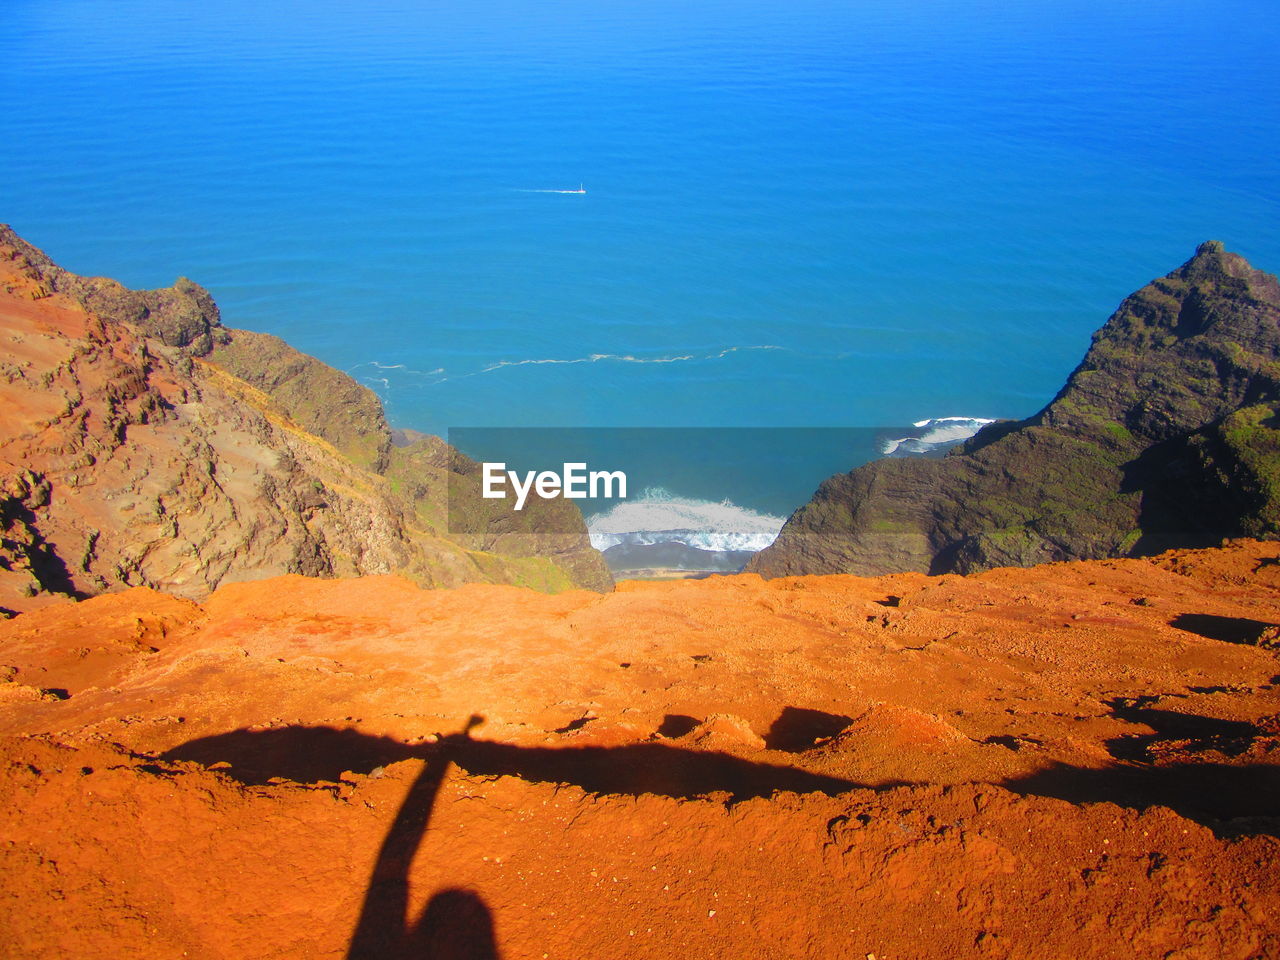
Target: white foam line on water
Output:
[(626, 358), (399, 367), (438, 375)]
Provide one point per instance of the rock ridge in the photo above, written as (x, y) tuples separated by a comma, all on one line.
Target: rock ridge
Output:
[(1164, 436), (145, 444)]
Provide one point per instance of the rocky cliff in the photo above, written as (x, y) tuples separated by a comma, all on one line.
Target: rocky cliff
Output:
[(1165, 435), (143, 443)]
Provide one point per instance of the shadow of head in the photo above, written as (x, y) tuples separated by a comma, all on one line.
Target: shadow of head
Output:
[(456, 925)]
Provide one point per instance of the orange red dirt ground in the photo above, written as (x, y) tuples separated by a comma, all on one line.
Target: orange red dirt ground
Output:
[(1069, 761)]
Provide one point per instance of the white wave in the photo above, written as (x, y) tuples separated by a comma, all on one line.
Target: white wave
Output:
[(934, 420), (938, 432), (658, 517)]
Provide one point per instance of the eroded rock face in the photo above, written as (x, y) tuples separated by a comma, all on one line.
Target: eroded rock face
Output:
[(320, 399), (1164, 436), (140, 446)]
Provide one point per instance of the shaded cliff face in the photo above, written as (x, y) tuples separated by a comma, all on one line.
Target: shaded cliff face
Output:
[(1079, 760), (141, 443), (1165, 435)]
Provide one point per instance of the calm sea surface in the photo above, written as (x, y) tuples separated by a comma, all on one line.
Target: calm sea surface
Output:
[(803, 213)]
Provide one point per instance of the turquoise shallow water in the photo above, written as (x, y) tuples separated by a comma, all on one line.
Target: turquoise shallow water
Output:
[(810, 213)]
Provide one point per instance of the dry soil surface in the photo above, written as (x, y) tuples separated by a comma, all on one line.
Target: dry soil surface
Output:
[(1075, 760)]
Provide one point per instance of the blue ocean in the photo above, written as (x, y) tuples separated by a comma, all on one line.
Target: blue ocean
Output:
[(638, 213)]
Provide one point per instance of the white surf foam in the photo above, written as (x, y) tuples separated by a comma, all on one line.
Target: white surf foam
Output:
[(936, 433), (658, 517), (934, 421)]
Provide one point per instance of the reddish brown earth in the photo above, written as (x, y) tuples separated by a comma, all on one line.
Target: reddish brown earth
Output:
[(1066, 761)]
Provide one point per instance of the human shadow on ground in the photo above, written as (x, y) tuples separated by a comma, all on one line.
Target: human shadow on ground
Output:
[(315, 754), (297, 753), (456, 924)]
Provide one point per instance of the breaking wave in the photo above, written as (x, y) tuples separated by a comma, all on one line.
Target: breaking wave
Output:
[(659, 517), (935, 434)]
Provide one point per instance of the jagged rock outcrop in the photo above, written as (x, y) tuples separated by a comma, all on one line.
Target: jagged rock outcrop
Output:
[(1165, 435), (142, 443)]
